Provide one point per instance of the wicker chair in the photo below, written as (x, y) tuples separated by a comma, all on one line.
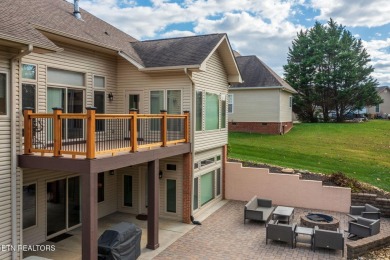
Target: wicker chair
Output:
[(280, 232), (366, 211), (328, 239), (364, 227)]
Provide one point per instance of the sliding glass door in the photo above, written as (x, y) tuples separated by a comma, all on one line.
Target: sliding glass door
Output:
[(63, 205)]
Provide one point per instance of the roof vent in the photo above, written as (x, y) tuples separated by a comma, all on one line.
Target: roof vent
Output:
[(76, 12)]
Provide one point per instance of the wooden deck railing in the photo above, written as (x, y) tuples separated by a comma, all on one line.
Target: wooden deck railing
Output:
[(91, 134)]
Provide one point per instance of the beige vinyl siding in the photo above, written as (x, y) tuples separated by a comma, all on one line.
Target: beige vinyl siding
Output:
[(198, 172), (5, 158), (37, 234), (131, 79), (138, 187), (383, 107), (285, 109), (213, 80), (255, 106), (80, 60)]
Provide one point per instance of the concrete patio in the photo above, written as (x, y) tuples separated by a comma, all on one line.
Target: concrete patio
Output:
[(223, 235), (169, 232)]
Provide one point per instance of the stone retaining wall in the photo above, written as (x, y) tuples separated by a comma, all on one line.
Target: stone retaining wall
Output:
[(364, 245), (363, 198)]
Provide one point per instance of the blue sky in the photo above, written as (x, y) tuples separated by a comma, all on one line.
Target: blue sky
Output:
[(255, 27)]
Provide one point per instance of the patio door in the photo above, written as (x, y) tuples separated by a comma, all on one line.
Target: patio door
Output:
[(63, 205), (72, 101), (134, 101)]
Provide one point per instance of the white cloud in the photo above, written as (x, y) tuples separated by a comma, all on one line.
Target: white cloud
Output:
[(354, 13), (379, 51)]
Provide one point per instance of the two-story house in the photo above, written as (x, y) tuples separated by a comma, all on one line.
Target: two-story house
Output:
[(93, 121)]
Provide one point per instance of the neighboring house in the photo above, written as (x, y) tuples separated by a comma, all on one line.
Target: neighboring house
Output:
[(49, 58), (262, 103), (383, 109)]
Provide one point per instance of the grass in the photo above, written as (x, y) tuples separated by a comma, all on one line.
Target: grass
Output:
[(360, 150)]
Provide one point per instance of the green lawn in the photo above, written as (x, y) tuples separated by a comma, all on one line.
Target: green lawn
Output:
[(360, 150)]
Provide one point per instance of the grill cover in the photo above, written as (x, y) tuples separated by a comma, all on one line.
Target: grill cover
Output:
[(120, 242)]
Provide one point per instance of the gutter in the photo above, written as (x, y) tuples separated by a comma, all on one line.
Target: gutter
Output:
[(14, 229)]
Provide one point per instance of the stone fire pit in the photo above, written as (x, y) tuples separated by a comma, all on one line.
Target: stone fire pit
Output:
[(321, 220)]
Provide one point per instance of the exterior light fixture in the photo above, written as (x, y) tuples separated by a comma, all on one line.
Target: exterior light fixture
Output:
[(110, 96)]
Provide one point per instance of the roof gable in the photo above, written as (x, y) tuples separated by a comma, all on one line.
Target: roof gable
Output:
[(256, 74)]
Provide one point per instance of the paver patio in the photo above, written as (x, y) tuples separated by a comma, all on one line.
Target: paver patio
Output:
[(223, 235)]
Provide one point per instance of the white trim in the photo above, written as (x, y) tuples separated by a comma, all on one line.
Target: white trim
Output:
[(130, 59), (197, 68), (7, 94), (260, 88), (93, 81)]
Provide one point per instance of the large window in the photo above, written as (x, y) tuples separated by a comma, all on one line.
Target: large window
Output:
[(206, 187), (101, 187), (171, 195), (377, 109), (230, 103), (128, 190), (212, 111), (199, 110), (65, 77), (29, 205), (3, 94)]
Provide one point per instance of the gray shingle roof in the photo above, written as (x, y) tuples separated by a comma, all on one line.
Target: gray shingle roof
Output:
[(181, 51), (382, 88), (256, 73), (20, 20)]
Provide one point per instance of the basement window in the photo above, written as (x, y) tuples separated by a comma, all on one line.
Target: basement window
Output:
[(29, 205)]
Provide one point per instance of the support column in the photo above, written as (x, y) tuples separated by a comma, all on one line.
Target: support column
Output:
[(153, 204), (187, 187), (89, 215)]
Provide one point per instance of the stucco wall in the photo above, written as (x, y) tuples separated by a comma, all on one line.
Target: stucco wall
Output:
[(284, 189)]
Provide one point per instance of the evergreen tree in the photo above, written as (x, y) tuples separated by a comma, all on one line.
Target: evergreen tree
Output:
[(329, 69)]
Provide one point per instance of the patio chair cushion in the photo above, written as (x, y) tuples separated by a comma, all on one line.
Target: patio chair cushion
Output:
[(258, 209)]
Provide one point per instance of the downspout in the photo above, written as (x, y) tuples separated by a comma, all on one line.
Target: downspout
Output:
[(279, 112), (14, 223)]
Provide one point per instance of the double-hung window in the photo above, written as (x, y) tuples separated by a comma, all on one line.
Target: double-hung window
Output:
[(230, 103), (212, 111)]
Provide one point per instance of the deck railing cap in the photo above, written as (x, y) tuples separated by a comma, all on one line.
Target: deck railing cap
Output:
[(58, 108), (91, 108)]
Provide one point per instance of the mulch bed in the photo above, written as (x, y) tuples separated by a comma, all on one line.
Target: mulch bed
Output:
[(338, 179)]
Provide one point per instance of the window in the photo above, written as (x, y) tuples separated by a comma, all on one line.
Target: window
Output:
[(99, 103), (29, 71), (212, 111), (218, 182), (171, 195), (377, 109), (101, 186), (207, 161), (218, 157), (230, 103), (206, 187), (223, 111), (99, 82), (28, 95), (3, 94), (171, 167), (128, 191), (195, 203), (29, 205), (65, 77), (196, 165), (199, 110), (290, 101)]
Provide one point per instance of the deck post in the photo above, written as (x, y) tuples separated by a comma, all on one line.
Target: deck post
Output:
[(187, 126), (153, 204), (57, 131), (27, 111), (164, 128), (91, 128), (89, 236), (187, 187), (133, 130)]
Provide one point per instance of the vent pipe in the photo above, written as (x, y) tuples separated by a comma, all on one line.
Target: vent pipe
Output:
[(76, 12)]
